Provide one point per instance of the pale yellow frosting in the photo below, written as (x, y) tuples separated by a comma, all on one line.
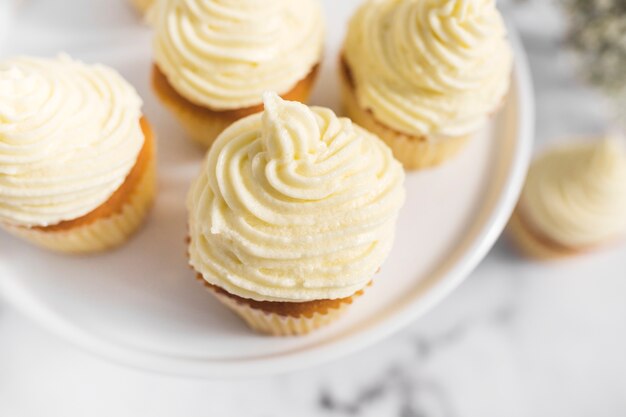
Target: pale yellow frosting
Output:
[(69, 135), (223, 54), (294, 204), (576, 195), (429, 67)]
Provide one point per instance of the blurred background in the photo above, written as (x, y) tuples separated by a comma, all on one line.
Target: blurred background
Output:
[(518, 338)]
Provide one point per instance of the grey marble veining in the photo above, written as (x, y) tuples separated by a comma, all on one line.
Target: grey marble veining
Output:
[(519, 338)]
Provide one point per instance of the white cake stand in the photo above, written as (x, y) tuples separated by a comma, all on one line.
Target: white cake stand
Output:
[(141, 305)]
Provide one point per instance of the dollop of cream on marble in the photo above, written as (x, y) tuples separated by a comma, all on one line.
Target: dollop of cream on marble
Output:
[(575, 195)]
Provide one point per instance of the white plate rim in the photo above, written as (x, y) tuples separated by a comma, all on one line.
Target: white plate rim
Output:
[(297, 360)]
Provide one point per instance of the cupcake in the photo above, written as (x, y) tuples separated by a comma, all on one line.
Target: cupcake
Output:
[(574, 200), (292, 215), (77, 163), (214, 59), (425, 75)]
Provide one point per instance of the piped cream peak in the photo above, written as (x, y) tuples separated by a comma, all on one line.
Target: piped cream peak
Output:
[(290, 129), (609, 157), (13, 83)]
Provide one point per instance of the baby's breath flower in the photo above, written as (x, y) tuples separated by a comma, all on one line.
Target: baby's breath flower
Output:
[(597, 32)]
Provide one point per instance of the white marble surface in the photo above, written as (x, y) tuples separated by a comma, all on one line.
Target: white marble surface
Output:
[(519, 338)]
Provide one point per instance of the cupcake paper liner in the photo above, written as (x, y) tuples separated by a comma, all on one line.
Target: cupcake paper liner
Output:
[(282, 324)]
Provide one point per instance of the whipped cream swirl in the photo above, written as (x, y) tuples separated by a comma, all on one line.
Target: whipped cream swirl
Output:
[(294, 204), (69, 135), (576, 195), (429, 67), (224, 54)]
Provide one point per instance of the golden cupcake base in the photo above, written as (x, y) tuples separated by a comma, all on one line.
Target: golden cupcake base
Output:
[(112, 223), (413, 152), (204, 125), (283, 318), (532, 244)]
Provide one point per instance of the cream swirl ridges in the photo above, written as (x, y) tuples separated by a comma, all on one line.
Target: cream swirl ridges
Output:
[(224, 54), (429, 67), (69, 135), (576, 195), (294, 204)]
